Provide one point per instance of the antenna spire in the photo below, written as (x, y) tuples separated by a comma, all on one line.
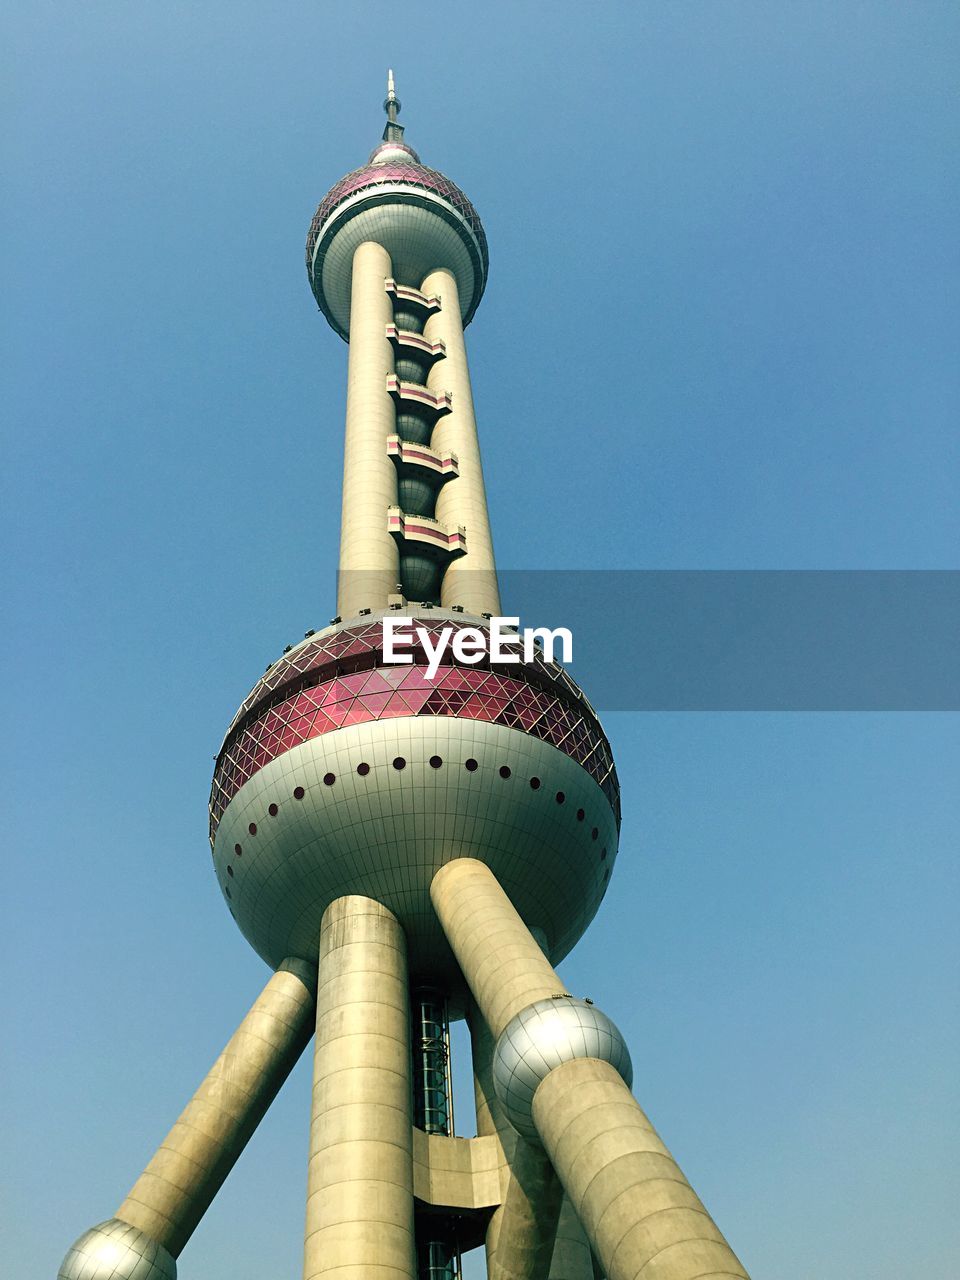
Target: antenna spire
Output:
[(393, 132)]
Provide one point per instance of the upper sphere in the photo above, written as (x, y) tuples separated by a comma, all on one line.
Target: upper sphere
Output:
[(418, 215)]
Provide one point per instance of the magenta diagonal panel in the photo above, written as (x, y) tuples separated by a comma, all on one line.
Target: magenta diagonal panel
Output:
[(338, 680), (371, 176)]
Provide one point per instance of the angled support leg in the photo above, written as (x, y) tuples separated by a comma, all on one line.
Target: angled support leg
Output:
[(558, 1070), (172, 1194)]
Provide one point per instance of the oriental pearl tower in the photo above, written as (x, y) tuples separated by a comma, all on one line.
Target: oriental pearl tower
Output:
[(402, 851)]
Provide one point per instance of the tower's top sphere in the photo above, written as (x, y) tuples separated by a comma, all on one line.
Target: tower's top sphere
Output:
[(421, 218)]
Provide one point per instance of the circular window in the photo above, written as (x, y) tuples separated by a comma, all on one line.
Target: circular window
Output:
[(238, 850), (252, 828), (594, 833), (435, 762), (534, 784), (471, 765), (504, 771), (399, 762), (560, 797), (273, 810), (363, 769), (329, 779), (298, 793), (229, 871), (580, 815)]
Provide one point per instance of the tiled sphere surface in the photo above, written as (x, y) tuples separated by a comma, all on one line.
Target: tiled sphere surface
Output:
[(541, 1037), (336, 678), (421, 218), (115, 1250), (328, 784)]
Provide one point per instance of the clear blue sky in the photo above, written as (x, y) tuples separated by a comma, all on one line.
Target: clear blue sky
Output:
[(720, 332)]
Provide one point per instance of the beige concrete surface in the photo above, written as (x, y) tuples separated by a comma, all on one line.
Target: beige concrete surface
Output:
[(369, 558), (572, 1259), (360, 1213), (472, 580), (502, 963), (174, 1191), (456, 1173), (637, 1209), (520, 1236)]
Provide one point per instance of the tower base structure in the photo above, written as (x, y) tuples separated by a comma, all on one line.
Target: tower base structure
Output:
[(566, 1171)]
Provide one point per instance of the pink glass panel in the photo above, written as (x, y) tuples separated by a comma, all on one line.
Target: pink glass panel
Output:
[(375, 692)]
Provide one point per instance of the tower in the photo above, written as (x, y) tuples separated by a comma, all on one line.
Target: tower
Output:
[(404, 845)]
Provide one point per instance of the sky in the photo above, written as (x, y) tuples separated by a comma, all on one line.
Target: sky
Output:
[(720, 332)]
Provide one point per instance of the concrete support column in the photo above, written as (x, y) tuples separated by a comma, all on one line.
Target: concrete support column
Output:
[(360, 1179), (502, 963), (638, 1210), (572, 1259), (369, 558), (520, 1236), (470, 581), (174, 1191)]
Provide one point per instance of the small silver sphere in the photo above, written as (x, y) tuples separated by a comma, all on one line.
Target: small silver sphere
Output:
[(541, 1037), (115, 1250)]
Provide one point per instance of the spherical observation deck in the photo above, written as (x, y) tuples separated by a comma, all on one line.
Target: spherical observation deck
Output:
[(421, 218), (341, 774)]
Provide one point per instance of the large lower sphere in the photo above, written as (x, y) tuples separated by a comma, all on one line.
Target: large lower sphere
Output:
[(342, 775), (385, 832)]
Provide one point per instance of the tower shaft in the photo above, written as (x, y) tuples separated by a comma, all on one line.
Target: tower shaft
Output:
[(369, 558), (414, 513), (472, 580)]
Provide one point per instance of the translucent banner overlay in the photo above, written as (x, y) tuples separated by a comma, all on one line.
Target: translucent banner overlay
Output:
[(744, 640)]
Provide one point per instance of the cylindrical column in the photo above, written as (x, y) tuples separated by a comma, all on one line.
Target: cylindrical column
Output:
[(631, 1197), (470, 581), (572, 1259), (360, 1179), (502, 963), (369, 559), (625, 1187), (173, 1192), (520, 1235)]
